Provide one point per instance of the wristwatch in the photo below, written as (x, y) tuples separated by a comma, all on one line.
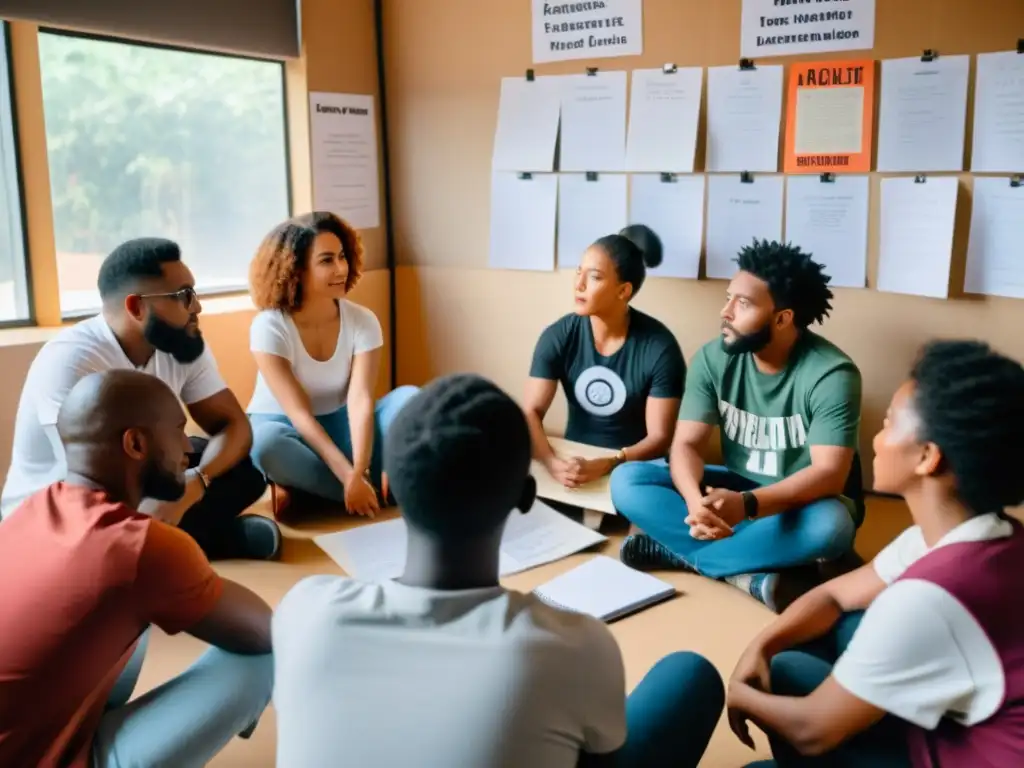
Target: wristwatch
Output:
[(620, 456), (749, 504)]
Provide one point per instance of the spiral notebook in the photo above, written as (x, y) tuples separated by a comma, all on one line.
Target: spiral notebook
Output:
[(605, 589)]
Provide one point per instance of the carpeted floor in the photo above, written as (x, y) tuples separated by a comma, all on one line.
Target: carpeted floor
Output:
[(708, 617)]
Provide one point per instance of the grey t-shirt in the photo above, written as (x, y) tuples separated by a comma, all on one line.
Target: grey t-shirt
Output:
[(390, 675), (607, 395)]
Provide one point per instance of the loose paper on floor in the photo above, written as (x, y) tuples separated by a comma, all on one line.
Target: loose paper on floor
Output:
[(376, 551)]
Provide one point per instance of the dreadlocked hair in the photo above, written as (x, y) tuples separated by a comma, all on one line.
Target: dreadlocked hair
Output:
[(970, 400), (794, 281)]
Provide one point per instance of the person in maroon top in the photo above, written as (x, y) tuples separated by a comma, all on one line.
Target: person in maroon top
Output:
[(933, 676), (85, 575)]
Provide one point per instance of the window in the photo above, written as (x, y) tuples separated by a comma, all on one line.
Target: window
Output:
[(148, 141), (14, 306)]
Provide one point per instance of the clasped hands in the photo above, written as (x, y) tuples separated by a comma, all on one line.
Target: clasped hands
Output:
[(360, 495), (713, 515), (577, 471)]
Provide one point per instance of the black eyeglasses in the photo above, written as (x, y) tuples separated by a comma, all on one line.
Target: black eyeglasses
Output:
[(187, 296)]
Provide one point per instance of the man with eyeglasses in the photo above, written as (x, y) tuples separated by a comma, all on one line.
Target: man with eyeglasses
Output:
[(149, 322)]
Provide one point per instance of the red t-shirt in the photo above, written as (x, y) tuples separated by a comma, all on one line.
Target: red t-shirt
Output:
[(81, 577)]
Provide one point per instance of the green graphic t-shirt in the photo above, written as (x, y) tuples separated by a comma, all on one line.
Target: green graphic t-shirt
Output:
[(769, 422), (607, 396)]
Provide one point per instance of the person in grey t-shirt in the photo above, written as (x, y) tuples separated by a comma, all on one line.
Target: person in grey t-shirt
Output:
[(445, 667)]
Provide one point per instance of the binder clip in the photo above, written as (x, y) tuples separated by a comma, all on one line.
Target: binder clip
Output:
[(1015, 182), (746, 177), (591, 71), (747, 64), (920, 178), (669, 69), (529, 75), (668, 178), (828, 178), (929, 55), (591, 175), (524, 176)]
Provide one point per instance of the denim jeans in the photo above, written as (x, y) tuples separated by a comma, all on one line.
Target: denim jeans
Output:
[(286, 459), (800, 671), (670, 716), (822, 530), (187, 720)]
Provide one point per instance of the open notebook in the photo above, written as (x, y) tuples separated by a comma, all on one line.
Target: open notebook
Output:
[(604, 588)]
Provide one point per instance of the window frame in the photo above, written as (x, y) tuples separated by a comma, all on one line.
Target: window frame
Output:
[(9, 107), (211, 293)]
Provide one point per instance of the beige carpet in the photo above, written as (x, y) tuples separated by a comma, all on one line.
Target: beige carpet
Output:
[(707, 617)]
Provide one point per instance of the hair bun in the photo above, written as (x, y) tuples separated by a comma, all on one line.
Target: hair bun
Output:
[(645, 239)]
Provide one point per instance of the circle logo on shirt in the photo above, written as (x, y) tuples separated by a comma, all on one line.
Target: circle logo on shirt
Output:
[(600, 391)]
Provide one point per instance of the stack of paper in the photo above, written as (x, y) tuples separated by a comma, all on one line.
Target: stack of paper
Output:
[(605, 589), (376, 552)]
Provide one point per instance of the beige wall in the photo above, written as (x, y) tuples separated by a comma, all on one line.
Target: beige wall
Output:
[(444, 63), (339, 55)]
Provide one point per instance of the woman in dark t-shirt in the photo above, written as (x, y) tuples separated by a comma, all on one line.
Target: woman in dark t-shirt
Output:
[(622, 371)]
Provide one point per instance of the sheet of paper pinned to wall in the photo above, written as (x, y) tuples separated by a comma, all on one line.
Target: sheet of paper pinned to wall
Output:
[(916, 235), (923, 114), (999, 114), (744, 115), (523, 220), (587, 210), (664, 108), (787, 27), (593, 122), (343, 134), (995, 264), (673, 206), (739, 212), (829, 219), (527, 130), (579, 30)]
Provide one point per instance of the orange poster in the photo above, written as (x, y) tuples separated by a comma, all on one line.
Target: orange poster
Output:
[(829, 117)]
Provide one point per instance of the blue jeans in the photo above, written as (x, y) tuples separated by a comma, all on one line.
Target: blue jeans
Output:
[(187, 720), (286, 459), (670, 716), (798, 673), (644, 493)]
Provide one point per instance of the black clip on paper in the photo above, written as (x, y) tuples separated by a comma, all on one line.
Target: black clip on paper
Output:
[(1015, 182), (920, 178), (668, 178), (929, 55), (591, 71), (529, 75), (1020, 45), (525, 176), (591, 175), (828, 178), (747, 64), (669, 69), (746, 177)]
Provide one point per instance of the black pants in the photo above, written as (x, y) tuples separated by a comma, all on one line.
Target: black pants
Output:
[(212, 521)]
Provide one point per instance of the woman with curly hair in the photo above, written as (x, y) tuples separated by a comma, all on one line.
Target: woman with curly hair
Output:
[(316, 429)]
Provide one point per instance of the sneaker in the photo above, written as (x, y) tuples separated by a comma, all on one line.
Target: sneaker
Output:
[(777, 591), (255, 537), (642, 553)]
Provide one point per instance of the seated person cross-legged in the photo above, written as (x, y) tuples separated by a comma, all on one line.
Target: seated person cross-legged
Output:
[(445, 667), (787, 403), (622, 371), (934, 672), (316, 429), (150, 322), (86, 574)]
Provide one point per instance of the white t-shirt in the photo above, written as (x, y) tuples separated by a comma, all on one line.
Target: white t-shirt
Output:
[(326, 382), (390, 675), (918, 652), (37, 458)]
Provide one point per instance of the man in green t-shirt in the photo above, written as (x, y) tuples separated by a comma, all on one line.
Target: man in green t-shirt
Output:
[(787, 404)]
